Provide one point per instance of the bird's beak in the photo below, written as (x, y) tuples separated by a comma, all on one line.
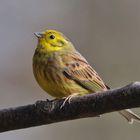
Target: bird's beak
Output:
[(38, 34)]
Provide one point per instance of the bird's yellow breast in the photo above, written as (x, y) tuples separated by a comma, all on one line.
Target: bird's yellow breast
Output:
[(53, 81)]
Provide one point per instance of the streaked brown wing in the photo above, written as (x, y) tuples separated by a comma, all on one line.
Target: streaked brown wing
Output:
[(79, 70)]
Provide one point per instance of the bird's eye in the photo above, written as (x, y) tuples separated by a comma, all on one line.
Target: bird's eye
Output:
[(52, 37)]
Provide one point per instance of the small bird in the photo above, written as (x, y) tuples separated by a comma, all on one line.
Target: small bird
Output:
[(63, 72)]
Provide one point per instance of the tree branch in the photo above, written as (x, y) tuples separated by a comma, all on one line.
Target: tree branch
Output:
[(91, 105)]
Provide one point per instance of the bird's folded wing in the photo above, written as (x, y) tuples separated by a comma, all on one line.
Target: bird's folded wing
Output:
[(79, 70)]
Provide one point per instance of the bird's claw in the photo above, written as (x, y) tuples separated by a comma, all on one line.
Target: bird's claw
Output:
[(68, 99)]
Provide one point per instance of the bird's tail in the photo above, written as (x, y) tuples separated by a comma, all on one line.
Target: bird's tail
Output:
[(129, 115)]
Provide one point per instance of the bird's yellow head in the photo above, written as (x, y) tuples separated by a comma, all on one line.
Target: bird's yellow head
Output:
[(52, 41)]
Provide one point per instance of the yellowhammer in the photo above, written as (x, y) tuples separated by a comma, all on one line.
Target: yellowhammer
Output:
[(63, 72)]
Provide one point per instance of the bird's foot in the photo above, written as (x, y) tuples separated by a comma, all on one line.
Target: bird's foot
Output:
[(68, 99)]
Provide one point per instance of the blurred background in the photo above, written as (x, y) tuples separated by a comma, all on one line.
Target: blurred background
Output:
[(106, 32)]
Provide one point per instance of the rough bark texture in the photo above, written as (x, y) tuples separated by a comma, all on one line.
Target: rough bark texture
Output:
[(46, 112)]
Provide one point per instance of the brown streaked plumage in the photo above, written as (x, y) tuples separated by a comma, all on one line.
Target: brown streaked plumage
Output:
[(79, 70)]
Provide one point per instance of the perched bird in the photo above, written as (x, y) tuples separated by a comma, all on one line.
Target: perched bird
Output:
[(63, 72)]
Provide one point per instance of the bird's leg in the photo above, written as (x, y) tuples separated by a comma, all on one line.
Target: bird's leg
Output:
[(68, 99)]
